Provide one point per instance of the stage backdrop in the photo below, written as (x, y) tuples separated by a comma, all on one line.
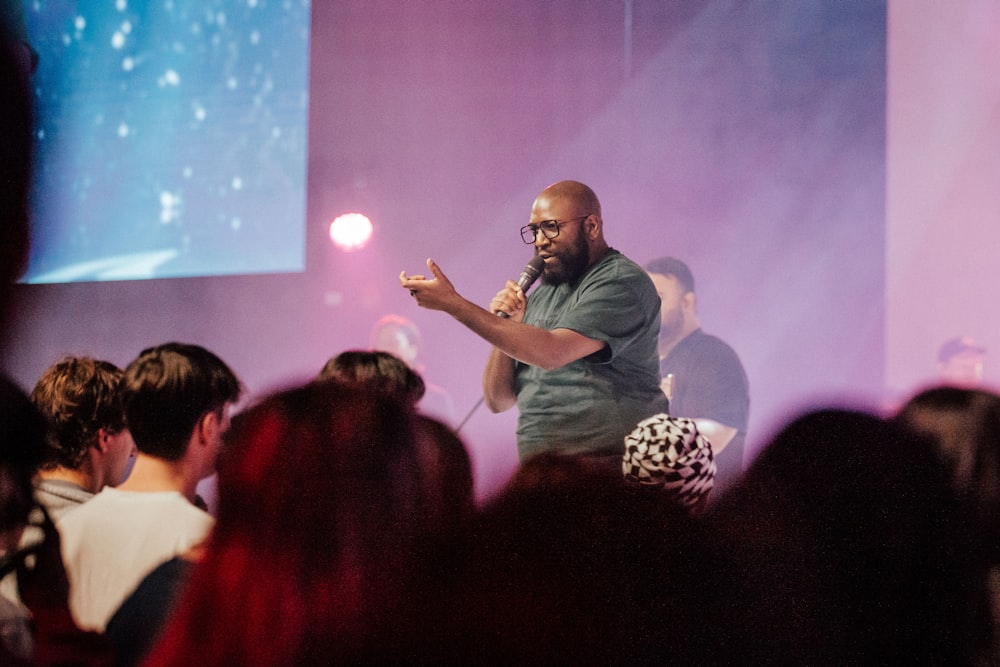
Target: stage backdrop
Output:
[(171, 139), (746, 138)]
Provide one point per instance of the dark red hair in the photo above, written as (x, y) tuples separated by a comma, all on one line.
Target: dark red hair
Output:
[(322, 514)]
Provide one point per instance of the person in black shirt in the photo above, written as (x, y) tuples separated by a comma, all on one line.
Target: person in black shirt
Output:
[(702, 376)]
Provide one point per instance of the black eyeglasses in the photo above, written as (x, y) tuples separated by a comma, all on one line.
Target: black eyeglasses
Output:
[(548, 228)]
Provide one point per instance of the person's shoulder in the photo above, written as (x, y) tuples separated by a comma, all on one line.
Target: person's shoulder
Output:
[(62, 489), (166, 511), (172, 503), (710, 346), (700, 337), (77, 525), (96, 508), (59, 497), (619, 262), (183, 514), (616, 268), (109, 500)]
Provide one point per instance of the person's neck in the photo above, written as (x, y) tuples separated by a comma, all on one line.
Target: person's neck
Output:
[(151, 474), (80, 478), (667, 345), (597, 253)]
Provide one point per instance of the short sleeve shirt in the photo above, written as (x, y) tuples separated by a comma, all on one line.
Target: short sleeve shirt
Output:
[(590, 405), (710, 383)]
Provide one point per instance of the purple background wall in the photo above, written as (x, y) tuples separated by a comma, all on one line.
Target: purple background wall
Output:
[(943, 199), (745, 138)]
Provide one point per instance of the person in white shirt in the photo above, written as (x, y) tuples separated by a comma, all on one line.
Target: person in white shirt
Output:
[(176, 398)]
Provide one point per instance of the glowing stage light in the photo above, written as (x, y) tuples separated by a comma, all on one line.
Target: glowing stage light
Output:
[(351, 231)]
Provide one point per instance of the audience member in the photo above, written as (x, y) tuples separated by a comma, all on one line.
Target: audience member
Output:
[(447, 475), (400, 337), (41, 579), (568, 565), (22, 434), (19, 460), (961, 362), (90, 444), (380, 370), (965, 425), (701, 375), (322, 486), (51, 637), (852, 549), (176, 399), (135, 627), (669, 453), (444, 460), (17, 123), (443, 464), (22, 450), (14, 27)]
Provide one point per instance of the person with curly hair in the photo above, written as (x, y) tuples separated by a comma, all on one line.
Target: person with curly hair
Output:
[(90, 445)]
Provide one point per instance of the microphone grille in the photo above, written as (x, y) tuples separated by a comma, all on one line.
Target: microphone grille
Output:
[(536, 265)]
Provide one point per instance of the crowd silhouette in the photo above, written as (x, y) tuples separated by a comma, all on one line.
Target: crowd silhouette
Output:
[(347, 532)]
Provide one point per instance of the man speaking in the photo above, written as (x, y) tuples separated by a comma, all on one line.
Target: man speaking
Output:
[(579, 359)]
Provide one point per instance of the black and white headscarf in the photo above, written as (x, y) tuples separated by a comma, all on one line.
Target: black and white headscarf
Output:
[(669, 452)]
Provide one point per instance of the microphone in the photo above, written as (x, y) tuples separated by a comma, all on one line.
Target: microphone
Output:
[(529, 274)]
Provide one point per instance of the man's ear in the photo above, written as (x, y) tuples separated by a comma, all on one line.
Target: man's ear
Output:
[(208, 425), (593, 226), (103, 438), (689, 301)]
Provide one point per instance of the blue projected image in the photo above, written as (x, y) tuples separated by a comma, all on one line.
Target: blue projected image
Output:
[(171, 138)]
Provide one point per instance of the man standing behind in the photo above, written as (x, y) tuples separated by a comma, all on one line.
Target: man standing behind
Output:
[(176, 399), (90, 444), (702, 375), (579, 358), (400, 337), (961, 361)]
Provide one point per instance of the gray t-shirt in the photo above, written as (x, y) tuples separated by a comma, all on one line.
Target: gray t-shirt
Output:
[(590, 405)]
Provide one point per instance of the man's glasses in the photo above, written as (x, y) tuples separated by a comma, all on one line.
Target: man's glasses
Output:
[(548, 228)]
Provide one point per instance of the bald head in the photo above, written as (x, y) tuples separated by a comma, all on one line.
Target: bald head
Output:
[(578, 240), (578, 193)]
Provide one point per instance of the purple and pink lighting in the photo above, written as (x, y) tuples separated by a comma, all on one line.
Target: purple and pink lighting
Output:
[(825, 169)]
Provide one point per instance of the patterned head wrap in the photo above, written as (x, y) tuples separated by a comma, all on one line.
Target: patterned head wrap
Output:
[(669, 452)]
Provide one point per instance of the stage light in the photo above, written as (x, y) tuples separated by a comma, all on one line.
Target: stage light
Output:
[(351, 231)]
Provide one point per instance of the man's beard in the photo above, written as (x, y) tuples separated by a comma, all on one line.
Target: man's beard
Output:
[(672, 327), (573, 263)]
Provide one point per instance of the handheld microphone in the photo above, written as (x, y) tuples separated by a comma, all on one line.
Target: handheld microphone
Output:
[(529, 274)]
